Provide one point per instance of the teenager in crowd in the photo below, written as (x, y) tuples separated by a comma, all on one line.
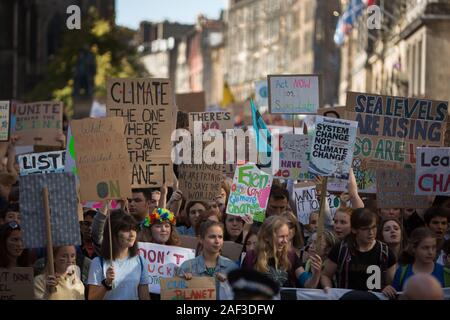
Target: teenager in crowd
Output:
[(342, 225), (66, 283), (236, 227), (311, 227), (159, 227), (124, 275), (87, 247), (328, 242), (350, 259), (10, 213), (437, 220), (7, 180), (251, 239), (390, 213), (12, 252), (419, 257), (276, 258), (209, 263), (194, 211), (390, 231), (278, 201)]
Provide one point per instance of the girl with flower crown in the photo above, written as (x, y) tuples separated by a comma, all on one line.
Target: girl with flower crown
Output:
[(159, 227)]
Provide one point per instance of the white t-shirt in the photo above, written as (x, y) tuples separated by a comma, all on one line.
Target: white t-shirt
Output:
[(129, 274)]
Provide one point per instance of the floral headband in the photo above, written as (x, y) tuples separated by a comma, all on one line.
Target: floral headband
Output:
[(159, 215)]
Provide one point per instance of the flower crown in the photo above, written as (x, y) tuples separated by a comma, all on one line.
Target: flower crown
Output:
[(159, 215)]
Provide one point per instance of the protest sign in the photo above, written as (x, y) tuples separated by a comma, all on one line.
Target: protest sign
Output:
[(230, 249), (46, 162), (294, 94), (147, 106), (293, 156), (220, 120), (261, 94), (395, 189), (332, 147), (101, 158), (63, 206), (16, 284), (162, 261), (332, 112), (198, 288), (390, 128), (200, 182), (5, 120), (39, 123), (70, 165), (191, 102), (249, 192), (433, 171), (306, 201)]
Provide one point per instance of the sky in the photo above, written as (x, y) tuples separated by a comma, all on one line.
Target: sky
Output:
[(130, 13)]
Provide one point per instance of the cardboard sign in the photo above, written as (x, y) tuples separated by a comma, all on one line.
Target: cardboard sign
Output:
[(102, 159), (390, 128), (198, 288), (39, 123), (162, 261), (200, 182), (230, 249), (5, 120), (433, 171), (261, 94), (46, 162), (395, 189), (191, 102), (249, 192), (293, 156), (332, 112), (220, 120), (307, 201), (294, 94), (16, 284), (63, 209), (147, 106), (332, 147)]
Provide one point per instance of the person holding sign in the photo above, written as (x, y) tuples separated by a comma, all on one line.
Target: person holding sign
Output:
[(159, 227), (122, 275), (236, 228), (276, 258), (12, 252), (352, 259), (66, 281), (209, 263)]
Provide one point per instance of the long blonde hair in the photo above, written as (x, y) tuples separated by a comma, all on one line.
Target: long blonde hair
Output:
[(266, 246)]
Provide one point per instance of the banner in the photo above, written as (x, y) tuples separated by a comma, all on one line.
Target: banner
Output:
[(433, 171), (147, 106), (390, 128), (162, 261), (101, 159), (198, 288), (294, 94), (319, 294), (63, 207), (45, 162), (16, 284), (395, 189), (249, 192), (293, 156), (5, 120), (220, 120), (200, 182), (191, 102), (307, 201), (39, 123), (332, 147)]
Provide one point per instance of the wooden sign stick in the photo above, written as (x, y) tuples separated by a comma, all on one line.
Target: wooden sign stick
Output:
[(110, 237), (48, 229), (321, 222)]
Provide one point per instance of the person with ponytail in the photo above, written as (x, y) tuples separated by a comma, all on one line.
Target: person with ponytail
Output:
[(351, 260), (276, 258), (419, 257)]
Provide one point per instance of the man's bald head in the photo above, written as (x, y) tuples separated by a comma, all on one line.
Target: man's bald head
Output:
[(423, 286)]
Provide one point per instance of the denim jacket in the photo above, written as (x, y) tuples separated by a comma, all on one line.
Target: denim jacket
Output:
[(197, 267)]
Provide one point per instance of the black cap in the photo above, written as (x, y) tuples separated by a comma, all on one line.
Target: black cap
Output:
[(251, 282)]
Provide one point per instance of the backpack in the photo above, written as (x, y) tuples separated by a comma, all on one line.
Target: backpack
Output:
[(345, 257), (405, 268)]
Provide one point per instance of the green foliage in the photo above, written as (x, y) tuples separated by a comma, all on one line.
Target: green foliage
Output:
[(114, 54)]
